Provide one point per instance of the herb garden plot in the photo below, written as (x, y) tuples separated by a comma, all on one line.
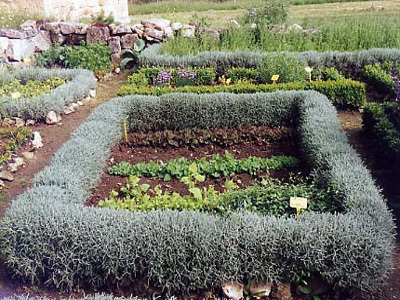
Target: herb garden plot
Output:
[(33, 93), (49, 236)]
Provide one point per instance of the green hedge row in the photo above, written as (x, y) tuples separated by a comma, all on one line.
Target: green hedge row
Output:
[(380, 78), (48, 236), (343, 93), (253, 59), (80, 82), (378, 121)]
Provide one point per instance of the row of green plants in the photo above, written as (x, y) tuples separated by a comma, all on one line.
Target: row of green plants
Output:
[(10, 140), (269, 196), (194, 137), (333, 34), (382, 121), (215, 166), (90, 56), (381, 76), (347, 94), (30, 88)]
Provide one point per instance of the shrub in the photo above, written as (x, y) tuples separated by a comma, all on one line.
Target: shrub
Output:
[(12, 139), (379, 78), (31, 88), (378, 121), (91, 56), (80, 82), (346, 94), (48, 227)]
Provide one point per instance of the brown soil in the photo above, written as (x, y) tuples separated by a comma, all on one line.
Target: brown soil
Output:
[(54, 137), (134, 155)]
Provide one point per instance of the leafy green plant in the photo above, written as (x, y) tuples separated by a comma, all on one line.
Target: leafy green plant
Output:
[(130, 56), (347, 94), (379, 78), (194, 137), (10, 140), (31, 88), (216, 166)]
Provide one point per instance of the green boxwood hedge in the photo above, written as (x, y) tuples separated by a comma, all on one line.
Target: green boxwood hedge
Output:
[(80, 82), (48, 236), (348, 94)]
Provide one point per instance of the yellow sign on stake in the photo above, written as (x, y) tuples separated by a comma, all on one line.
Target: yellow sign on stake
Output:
[(298, 203), (275, 78)]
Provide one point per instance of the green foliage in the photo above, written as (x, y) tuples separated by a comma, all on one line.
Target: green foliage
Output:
[(346, 93), (271, 12), (130, 56), (30, 88), (243, 74), (49, 227), (38, 84), (270, 198), (194, 137), (348, 33), (327, 74), (12, 139), (94, 57), (215, 166), (379, 78), (382, 122)]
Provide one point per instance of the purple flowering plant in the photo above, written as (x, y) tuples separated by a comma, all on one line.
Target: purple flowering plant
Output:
[(184, 77), (163, 78)]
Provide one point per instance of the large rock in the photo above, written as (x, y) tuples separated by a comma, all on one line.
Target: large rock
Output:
[(18, 162), (12, 33), (153, 34), (3, 45), (115, 44), (158, 24), (40, 42), (98, 35), (168, 32), (81, 28), (121, 30), (233, 290), (53, 27), (6, 176), (52, 118), (129, 40), (67, 27), (37, 141), (20, 49)]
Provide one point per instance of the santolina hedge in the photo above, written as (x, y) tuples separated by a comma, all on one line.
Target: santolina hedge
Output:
[(48, 235), (253, 59), (80, 82), (343, 93)]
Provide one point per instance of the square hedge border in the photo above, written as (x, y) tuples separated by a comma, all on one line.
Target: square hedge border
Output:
[(48, 236), (253, 59), (78, 87)]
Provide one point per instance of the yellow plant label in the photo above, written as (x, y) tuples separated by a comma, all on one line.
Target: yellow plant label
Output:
[(298, 203), (275, 77)]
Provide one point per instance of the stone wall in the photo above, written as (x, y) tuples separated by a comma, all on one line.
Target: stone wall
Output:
[(37, 36)]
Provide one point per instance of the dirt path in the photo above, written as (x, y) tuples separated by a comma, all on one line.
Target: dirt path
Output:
[(54, 136), (386, 178)]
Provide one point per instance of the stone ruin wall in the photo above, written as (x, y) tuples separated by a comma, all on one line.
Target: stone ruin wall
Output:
[(70, 10)]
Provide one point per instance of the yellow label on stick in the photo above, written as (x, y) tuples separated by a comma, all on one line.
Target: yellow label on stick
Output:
[(298, 203), (275, 77)]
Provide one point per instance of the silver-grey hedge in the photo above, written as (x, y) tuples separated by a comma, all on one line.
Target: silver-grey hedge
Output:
[(80, 82), (252, 59), (49, 236)]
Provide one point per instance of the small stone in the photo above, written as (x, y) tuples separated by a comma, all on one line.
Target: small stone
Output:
[(69, 110), (115, 44), (2, 185), (92, 93), (233, 290), (87, 99), (295, 27), (75, 105), (18, 162), (9, 121), (117, 70), (260, 289), (159, 24), (6, 176), (169, 33), (176, 26), (19, 122), (30, 122), (37, 141), (59, 119), (151, 34), (79, 103), (28, 155), (283, 291), (121, 30), (51, 118)]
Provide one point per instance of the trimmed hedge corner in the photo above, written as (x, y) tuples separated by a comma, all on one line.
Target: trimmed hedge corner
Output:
[(49, 236), (79, 84), (345, 93)]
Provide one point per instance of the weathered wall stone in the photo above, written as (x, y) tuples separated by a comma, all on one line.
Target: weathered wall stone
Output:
[(98, 35)]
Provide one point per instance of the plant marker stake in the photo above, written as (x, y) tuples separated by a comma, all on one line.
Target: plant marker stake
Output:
[(309, 71), (274, 78), (298, 203)]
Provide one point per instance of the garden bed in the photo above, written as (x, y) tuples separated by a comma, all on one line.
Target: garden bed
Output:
[(68, 245), (33, 93)]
